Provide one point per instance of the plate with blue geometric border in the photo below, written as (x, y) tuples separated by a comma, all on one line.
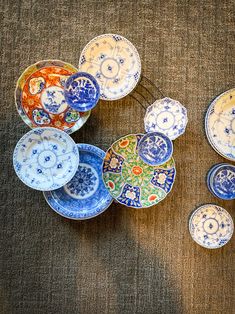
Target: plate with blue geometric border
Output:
[(85, 196), (132, 182), (45, 158), (114, 62)]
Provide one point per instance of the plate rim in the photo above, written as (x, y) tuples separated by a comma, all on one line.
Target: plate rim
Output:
[(99, 152), (136, 53), (21, 111), (24, 137)]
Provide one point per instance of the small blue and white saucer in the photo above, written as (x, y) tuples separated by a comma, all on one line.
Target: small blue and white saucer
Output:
[(85, 196), (167, 116), (221, 181), (155, 148), (211, 226), (82, 91), (45, 158)]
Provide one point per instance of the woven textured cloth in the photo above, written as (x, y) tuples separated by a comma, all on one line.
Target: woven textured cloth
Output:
[(125, 260)]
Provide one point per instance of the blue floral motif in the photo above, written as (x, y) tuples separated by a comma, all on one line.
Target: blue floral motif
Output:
[(130, 196), (83, 182), (164, 179)]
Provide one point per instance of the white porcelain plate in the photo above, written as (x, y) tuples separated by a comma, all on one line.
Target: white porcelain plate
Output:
[(167, 116), (114, 62), (46, 158), (211, 226), (220, 124)]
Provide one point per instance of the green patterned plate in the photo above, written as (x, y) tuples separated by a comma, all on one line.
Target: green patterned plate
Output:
[(132, 182)]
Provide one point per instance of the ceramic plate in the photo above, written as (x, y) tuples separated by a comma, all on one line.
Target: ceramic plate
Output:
[(45, 158), (220, 124), (131, 181), (85, 196), (211, 226), (82, 91), (39, 97), (167, 116), (155, 148), (221, 181), (114, 62)]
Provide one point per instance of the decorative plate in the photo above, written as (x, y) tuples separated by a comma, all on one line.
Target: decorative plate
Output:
[(221, 181), (131, 181), (167, 116), (114, 62), (81, 91), (39, 97), (155, 148), (211, 226), (220, 124), (45, 158), (85, 196)]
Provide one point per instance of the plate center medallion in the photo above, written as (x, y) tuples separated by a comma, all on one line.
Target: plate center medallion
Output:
[(53, 100), (137, 170), (109, 68), (47, 159), (211, 225), (165, 120), (84, 184)]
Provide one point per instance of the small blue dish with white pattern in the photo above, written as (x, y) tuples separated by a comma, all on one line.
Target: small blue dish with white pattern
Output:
[(45, 158), (211, 226), (82, 91), (221, 181), (85, 196), (155, 148)]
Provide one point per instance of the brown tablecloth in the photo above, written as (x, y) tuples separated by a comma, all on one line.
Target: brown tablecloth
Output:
[(126, 260)]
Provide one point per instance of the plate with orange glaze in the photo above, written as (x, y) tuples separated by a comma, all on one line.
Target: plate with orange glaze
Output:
[(39, 97), (131, 181)]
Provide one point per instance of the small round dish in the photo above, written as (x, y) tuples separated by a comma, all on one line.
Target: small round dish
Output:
[(81, 91), (221, 181), (132, 182), (155, 148), (220, 124), (85, 196), (211, 226), (114, 62), (39, 97), (45, 159), (167, 116)]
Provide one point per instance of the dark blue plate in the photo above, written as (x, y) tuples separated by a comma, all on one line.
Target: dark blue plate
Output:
[(82, 91), (221, 181), (85, 196), (155, 148)]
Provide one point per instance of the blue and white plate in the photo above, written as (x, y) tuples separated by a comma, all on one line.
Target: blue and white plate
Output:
[(114, 62), (155, 148), (167, 116), (81, 91), (45, 158), (221, 181), (85, 196), (220, 124), (211, 226)]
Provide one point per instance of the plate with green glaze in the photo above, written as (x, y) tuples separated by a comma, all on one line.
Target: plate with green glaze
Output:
[(131, 181)]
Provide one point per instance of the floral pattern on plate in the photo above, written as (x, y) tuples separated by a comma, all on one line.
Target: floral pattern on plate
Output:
[(211, 226), (114, 62), (167, 116), (45, 158), (40, 100), (131, 181), (85, 196), (220, 124)]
